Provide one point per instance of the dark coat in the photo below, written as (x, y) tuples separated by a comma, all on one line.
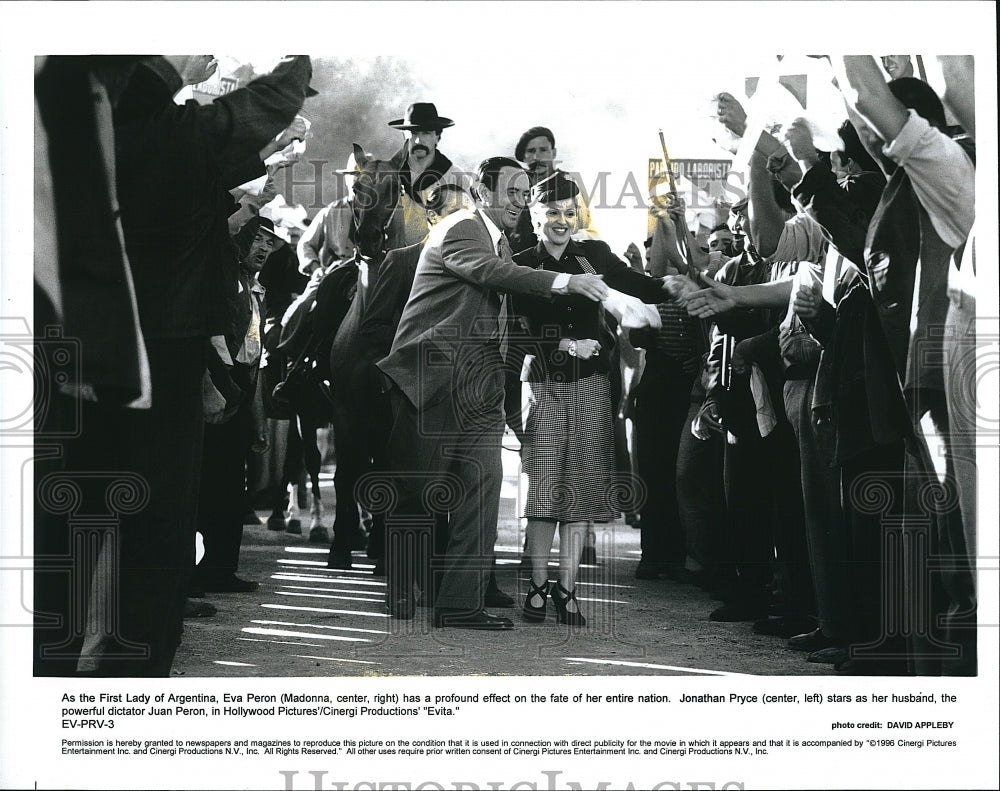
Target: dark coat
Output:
[(97, 298), (572, 316), (176, 164), (843, 208)]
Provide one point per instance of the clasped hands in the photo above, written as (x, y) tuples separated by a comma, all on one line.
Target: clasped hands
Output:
[(720, 297), (584, 349), (705, 303)]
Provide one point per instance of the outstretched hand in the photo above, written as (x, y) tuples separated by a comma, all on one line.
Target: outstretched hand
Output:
[(590, 286), (711, 301), (679, 286)]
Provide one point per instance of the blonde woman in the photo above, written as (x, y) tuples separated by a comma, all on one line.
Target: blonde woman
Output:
[(569, 441)]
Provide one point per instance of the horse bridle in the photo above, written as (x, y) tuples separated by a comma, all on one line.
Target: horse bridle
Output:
[(383, 229)]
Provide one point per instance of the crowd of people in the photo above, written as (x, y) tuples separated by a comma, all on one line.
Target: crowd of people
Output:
[(772, 390)]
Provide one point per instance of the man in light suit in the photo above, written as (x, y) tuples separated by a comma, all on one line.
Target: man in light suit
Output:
[(447, 392), (362, 412)]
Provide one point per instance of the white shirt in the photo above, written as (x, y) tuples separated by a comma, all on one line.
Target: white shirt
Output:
[(943, 177), (562, 279)]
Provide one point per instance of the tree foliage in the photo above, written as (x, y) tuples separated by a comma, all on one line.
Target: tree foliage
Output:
[(357, 98)]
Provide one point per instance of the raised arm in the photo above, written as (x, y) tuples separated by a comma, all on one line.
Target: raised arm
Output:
[(248, 119), (960, 88), (311, 243), (867, 93), (942, 174), (664, 253), (766, 217)]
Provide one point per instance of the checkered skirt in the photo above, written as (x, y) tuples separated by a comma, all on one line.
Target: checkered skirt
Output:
[(570, 456)]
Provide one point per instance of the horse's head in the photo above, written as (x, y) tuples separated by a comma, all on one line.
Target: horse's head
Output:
[(376, 193)]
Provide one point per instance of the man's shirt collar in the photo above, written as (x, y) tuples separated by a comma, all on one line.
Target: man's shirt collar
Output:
[(494, 232)]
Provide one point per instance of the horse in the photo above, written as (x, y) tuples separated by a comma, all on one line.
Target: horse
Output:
[(355, 394), (310, 329)]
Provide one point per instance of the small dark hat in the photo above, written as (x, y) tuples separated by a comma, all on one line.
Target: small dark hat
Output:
[(554, 188), (422, 115), (244, 236), (267, 226)]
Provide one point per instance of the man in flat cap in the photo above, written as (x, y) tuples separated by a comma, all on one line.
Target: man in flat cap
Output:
[(421, 166), (536, 148)]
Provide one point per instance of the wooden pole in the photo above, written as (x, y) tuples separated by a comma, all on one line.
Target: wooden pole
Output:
[(682, 233)]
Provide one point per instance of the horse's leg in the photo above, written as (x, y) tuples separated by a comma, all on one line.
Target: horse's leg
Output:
[(283, 437), (346, 525), (311, 456), (296, 468), (294, 471)]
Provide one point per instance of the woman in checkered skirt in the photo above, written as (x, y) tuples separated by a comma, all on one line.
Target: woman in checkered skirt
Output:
[(568, 440)]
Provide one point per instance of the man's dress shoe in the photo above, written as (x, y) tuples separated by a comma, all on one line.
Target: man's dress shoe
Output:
[(811, 641), (463, 619)]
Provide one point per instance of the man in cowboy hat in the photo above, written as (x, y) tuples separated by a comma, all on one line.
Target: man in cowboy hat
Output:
[(327, 239), (421, 166)]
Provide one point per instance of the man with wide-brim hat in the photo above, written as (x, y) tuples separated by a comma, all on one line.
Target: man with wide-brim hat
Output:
[(326, 242), (421, 166)]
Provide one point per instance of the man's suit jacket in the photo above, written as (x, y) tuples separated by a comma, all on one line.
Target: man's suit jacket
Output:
[(451, 315)]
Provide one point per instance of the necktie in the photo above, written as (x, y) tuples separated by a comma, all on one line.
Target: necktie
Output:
[(503, 251)]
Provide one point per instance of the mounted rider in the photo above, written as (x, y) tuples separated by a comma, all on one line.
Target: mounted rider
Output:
[(421, 166), (327, 241)]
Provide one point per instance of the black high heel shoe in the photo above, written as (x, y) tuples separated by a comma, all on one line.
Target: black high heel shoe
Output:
[(530, 612), (560, 598)]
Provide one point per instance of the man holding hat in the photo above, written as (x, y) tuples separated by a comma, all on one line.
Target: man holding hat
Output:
[(327, 239), (421, 166)]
